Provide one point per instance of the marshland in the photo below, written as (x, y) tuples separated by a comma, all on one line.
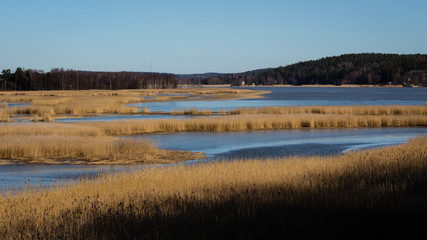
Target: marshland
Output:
[(320, 169), (370, 194), (48, 105), (213, 120)]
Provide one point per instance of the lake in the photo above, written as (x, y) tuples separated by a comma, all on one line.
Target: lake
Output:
[(113, 117), (222, 145), (279, 96), (281, 143), (304, 96), (248, 144)]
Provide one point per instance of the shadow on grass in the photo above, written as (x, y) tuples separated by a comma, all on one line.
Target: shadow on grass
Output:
[(270, 214), (379, 194)]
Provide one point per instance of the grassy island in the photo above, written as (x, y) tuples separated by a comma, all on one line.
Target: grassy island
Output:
[(371, 194)]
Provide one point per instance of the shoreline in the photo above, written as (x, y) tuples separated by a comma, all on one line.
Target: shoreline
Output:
[(345, 193), (308, 85)]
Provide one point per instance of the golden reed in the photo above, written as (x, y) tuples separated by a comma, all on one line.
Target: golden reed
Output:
[(340, 110), (357, 195), (62, 149), (48, 104), (257, 122)]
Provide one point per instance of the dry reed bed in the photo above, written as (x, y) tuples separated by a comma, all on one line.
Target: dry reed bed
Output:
[(78, 107), (48, 104), (56, 143), (372, 194), (340, 110), (40, 142), (125, 96), (257, 122), (224, 123), (54, 149), (62, 129), (67, 147), (4, 116), (191, 111)]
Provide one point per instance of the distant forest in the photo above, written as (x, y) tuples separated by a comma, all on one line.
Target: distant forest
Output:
[(60, 79), (369, 68), (365, 68)]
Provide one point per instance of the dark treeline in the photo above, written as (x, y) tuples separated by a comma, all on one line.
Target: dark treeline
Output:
[(60, 79), (366, 68)]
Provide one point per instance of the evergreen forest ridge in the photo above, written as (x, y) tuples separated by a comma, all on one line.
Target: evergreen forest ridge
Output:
[(358, 69), (348, 69)]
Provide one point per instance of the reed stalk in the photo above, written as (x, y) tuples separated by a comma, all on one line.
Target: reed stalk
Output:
[(359, 195), (338, 110), (57, 149), (257, 122)]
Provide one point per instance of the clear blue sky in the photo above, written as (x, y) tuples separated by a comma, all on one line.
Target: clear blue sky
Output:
[(182, 36)]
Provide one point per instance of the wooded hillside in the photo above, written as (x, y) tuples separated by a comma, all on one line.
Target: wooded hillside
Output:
[(60, 79), (366, 68)]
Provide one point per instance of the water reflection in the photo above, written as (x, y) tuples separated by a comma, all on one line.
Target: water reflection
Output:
[(106, 118), (349, 94), (14, 177), (222, 145), (11, 105), (228, 142), (304, 96), (249, 144)]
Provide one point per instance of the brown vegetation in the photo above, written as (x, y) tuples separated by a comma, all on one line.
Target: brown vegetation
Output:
[(54, 149), (59, 129), (354, 110), (372, 194), (46, 105), (340, 110), (4, 116), (191, 111), (39, 143), (56, 143), (257, 122), (208, 124)]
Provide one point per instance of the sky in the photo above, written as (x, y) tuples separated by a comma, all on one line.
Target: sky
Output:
[(199, 36)]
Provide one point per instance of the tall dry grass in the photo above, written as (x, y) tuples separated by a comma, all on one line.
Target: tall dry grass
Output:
[(4, 115), (57, 149), (56, 143), (340, 110), (257, 122), (78, 107), (35, 142), (372, 194), (191, 111), (222, 123), (94, 102), (61, 129), (5, 112)]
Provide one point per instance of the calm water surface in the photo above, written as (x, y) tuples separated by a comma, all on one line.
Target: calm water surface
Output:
[(112, 117), (279, 96), (11, 105), (260, 144), (305, 96), (279, 143), (226, 145)]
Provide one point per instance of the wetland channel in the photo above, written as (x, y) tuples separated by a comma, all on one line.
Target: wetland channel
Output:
[(248, 144), (221, 146)]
